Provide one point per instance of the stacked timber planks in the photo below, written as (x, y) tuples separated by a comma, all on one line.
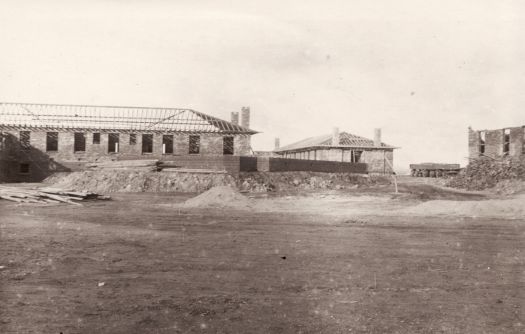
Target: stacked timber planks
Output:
[(46, 195), (131, 165)]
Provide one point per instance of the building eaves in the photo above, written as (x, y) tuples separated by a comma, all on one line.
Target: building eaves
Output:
[(63, 117), (346, 141)]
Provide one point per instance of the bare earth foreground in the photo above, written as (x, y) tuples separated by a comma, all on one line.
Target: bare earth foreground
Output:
[(341, 262)]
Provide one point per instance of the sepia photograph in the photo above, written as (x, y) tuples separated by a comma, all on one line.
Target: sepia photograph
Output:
[(240, 166)]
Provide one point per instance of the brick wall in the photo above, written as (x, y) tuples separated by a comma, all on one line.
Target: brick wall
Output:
[(248, 164), (43, 162), (210, 144), (230, 163), (494, 141), (516, 141), (473, 143), (266, 164)]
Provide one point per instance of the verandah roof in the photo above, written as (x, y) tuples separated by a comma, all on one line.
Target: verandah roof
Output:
[(346, 140)]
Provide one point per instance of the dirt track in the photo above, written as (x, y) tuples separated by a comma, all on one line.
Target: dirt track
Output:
[(127, 266)]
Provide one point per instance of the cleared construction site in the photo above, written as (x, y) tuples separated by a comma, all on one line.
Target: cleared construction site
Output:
[(166, 220)]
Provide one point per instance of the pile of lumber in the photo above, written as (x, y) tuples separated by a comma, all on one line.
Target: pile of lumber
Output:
[(46, 195), (135, 165)]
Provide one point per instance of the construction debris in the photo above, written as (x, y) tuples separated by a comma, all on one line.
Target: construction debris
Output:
[(484, 173), (46, 195)]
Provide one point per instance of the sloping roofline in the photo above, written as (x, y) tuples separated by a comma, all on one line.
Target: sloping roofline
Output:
[(346, 140), (69, 117)]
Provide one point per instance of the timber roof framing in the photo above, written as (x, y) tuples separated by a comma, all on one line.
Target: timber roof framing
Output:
[(346, 141), (77, 118)]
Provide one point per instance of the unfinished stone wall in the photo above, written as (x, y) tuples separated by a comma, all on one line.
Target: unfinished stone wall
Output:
[(473, 143), (495, 141), (517, 141)]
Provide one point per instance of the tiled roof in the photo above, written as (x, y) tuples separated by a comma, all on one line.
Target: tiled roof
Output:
[(345, 140), (109, 118)]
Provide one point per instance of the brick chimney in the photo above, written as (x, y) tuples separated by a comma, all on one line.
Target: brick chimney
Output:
[(335, 137), (277, 143), (235, 118), (377, 137), (245, 117)]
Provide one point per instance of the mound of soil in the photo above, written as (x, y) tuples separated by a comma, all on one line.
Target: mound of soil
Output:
[(106, 181), (138, 181), (219, 197), (300, 181)]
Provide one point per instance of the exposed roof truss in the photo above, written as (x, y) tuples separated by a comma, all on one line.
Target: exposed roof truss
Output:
[(112, 119)]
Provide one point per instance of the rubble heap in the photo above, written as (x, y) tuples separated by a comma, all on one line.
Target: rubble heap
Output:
[(484, 173)]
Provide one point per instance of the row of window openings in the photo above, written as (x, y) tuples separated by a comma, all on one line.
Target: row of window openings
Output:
[(506, 142), (114, 142)]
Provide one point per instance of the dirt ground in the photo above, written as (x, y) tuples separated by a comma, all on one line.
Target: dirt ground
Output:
[(333, 262)]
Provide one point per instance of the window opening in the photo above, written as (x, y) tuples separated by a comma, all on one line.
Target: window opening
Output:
[(113, 142), (96, 138), (79, 144), (227, 145), (195, 144), (482, 142), (356, 156), (51, 141), (506, 141), (147, 143), (25, 140), (167, 144), (24, 168)]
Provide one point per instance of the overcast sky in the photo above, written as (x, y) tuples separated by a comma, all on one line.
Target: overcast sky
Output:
[(423, 71)]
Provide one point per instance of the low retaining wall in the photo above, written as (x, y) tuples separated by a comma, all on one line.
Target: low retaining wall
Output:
[(39, 170), (265, 164), (230, 163)]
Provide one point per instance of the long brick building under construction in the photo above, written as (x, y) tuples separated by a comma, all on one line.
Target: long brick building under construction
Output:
[(39, 139)]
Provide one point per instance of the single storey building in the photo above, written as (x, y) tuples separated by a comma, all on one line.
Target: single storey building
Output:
[(342, 147)]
